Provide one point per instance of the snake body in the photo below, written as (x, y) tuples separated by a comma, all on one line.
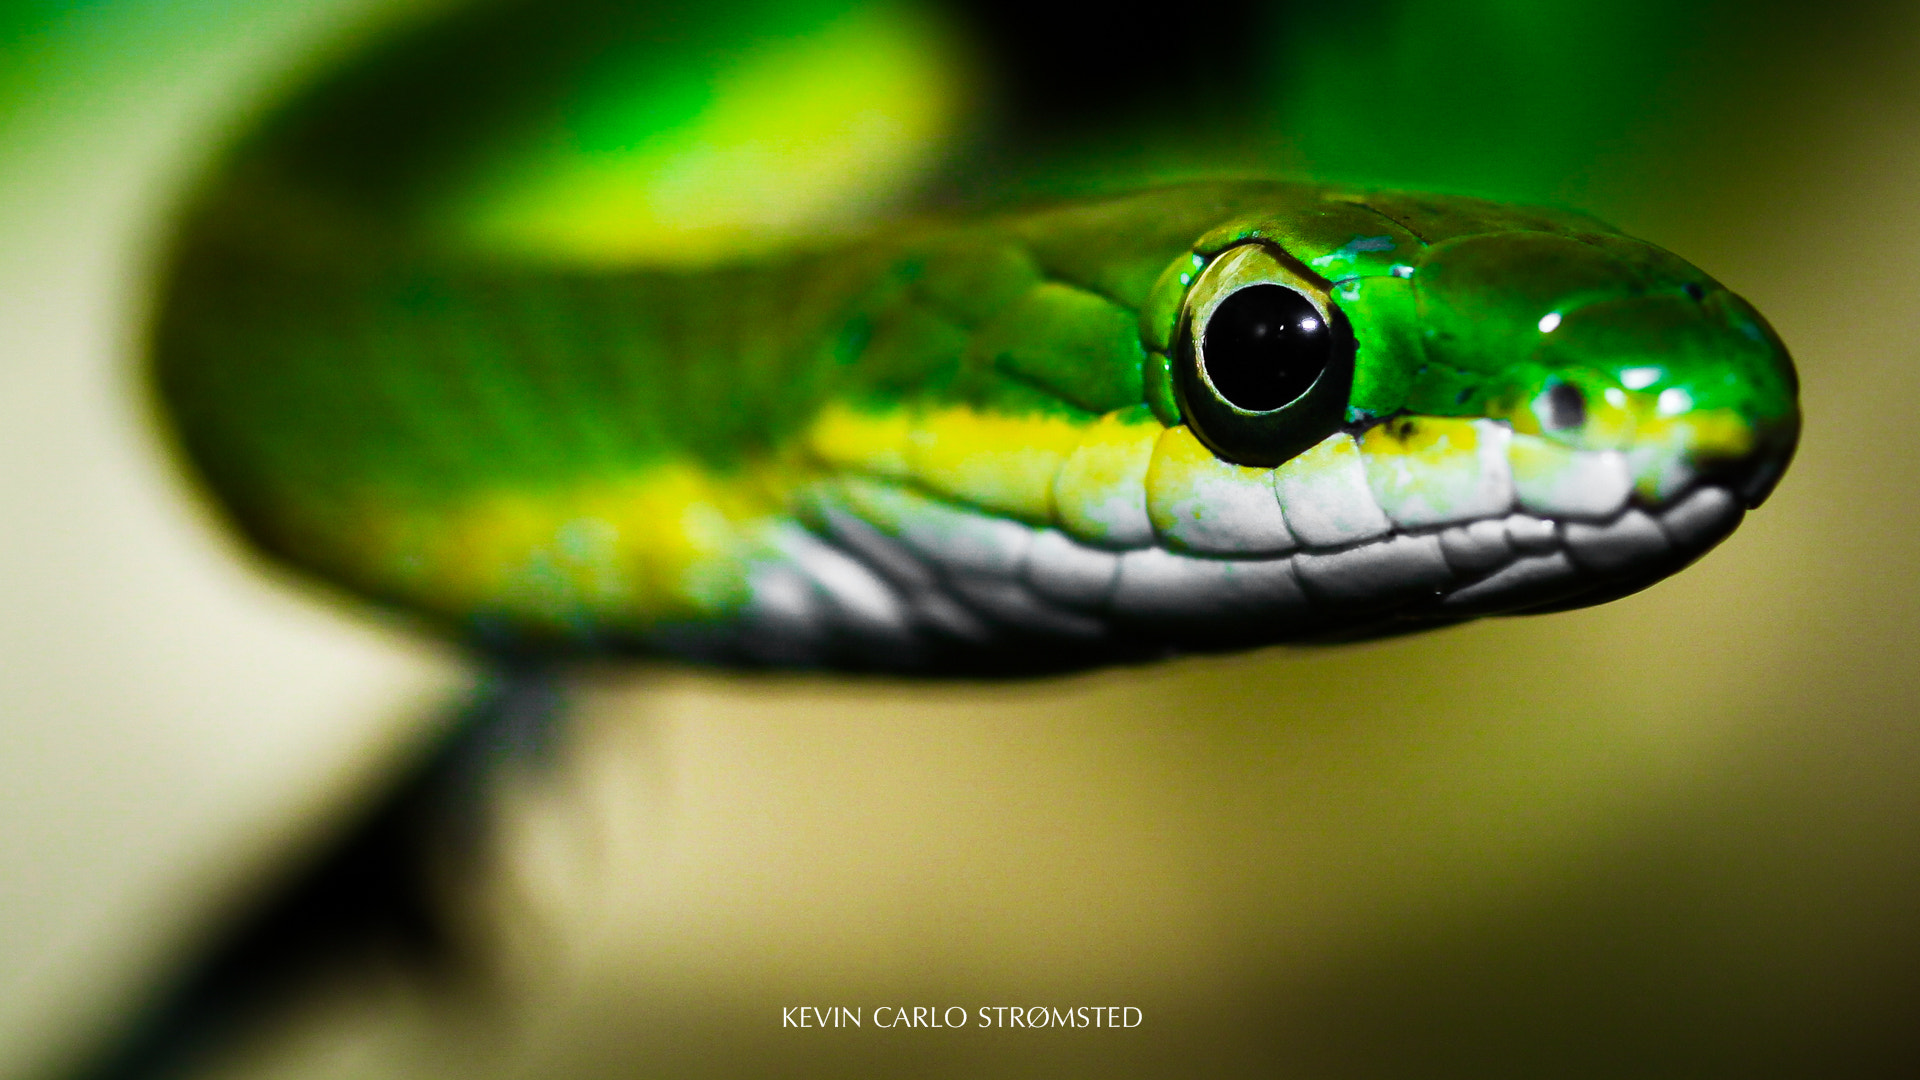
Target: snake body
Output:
[(1011, 440)]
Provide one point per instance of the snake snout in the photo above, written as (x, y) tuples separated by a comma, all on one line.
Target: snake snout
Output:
[(1692, 389)]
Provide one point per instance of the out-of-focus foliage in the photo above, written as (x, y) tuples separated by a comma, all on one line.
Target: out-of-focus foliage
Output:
[(1503, 98)]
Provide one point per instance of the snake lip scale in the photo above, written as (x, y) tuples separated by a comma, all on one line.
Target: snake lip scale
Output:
[(995, 596)]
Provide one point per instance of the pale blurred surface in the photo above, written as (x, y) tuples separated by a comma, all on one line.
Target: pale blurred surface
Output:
[(173, 723), (1676, 835)]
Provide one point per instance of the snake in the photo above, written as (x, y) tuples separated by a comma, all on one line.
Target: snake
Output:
[(660, 336)]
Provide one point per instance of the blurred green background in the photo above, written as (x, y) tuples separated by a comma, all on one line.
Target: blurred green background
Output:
[(1676, 835)]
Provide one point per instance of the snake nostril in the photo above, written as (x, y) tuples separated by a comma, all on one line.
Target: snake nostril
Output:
[(1694, 291), (1565, 409)]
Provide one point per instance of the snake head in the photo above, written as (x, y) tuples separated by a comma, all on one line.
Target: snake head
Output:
[(1548, 321), (1340, 414), (1470, 407)]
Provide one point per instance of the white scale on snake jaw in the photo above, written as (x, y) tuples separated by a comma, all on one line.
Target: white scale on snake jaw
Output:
[(1497, 522)]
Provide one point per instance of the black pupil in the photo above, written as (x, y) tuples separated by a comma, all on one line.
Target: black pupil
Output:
[(1264, 346)]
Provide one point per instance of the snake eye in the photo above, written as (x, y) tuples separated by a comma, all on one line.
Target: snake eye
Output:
[(1264, 346), (1266, 359)]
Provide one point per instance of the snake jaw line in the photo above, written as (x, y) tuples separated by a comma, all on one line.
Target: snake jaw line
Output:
[(1020, 598), (1410, 521)]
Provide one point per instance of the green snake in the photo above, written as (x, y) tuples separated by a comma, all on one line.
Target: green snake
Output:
[(645, 346)]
